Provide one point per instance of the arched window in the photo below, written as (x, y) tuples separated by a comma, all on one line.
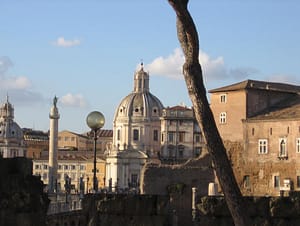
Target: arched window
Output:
[(135, 134), (282, 147)]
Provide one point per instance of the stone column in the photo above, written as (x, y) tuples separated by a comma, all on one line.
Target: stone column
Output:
[(53, 143)]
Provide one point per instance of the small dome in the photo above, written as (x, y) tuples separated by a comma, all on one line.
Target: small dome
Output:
[(10, 130)]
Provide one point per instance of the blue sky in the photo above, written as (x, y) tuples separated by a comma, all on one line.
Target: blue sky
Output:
[(86, 51)]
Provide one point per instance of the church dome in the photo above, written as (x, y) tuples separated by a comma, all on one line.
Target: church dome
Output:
[(140, 103), (137, 118)]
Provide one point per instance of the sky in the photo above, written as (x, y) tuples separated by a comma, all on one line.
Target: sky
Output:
[(85, 52)]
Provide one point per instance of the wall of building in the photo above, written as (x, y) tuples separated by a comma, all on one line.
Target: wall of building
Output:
[(263, 167), (235, 109)]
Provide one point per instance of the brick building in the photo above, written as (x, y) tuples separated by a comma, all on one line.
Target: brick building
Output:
[(263, 118), (36, 142)]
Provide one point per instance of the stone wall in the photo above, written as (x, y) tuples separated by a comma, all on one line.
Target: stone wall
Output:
[(126, 209), (22, 201), (264, 211), (177, 181)]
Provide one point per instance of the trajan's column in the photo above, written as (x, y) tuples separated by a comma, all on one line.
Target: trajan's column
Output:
[(53, 139)]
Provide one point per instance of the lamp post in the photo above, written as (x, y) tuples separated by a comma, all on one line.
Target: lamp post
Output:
[(95, 120)]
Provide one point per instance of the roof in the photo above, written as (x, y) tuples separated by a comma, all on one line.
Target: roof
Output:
[(76, 134), (178, 108), (66, 157), (262, 85), (287, 109), (105, 133)]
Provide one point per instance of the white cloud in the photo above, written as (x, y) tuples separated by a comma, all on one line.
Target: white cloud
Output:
[(170, 66), (62, 42), (213, 68), (72, 100), (11, 82), (17, 83)]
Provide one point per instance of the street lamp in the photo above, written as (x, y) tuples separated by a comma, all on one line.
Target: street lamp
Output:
[(95, 120)]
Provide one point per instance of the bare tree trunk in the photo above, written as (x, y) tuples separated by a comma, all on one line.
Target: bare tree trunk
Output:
[(188, 38)]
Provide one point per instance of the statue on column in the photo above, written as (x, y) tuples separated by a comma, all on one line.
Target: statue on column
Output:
[(55, 101)]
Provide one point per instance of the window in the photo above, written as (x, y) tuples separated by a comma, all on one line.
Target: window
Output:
[(135, 134), (181, 136), (73, 167), (298, 181), (298, 145), (246, 181), (155, 135), (223, 117), (262, 146), (65, 167), (45, 167), (154, 111), (180, 152), (134, 180), (172, 122), (37, 166), (282, 147), (276, 181), (162, 137), (72, 138), (198, 151), (223, 98), (197, 138), (118, 134), (171, 137), (82, 167)]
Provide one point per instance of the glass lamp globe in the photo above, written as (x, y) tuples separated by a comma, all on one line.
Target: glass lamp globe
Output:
[(95, 120)]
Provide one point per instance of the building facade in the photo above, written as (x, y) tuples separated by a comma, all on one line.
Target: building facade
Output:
[(76, 168), (71, 140), (136, 135), (181, 137), (36, 142), (264, 117)]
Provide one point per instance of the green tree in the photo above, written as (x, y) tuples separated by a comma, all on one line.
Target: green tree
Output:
[(188, 38)]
